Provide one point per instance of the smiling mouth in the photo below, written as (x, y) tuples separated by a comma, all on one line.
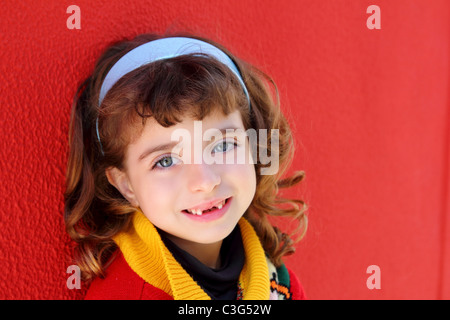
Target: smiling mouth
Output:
[(219, 205)]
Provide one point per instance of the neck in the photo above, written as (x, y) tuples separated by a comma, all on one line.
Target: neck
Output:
[(206, 253), (144, 251)]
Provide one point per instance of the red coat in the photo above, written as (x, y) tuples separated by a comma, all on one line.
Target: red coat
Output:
[(122, 283)]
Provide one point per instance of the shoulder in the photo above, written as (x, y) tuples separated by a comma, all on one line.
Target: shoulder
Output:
[(122, 283), (297, 291), (285, 285)]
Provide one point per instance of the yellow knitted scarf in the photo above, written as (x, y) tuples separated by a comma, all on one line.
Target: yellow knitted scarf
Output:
[(147, 255)]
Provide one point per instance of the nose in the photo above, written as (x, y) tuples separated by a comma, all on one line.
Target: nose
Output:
[(202, 178)]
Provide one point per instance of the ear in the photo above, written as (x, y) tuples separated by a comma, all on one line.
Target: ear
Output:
[(120, 180)]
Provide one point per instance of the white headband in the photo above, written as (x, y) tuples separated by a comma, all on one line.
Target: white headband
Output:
[(161, 49)]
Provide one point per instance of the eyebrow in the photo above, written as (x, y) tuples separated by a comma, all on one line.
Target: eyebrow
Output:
[(157, 148), (172, 144)]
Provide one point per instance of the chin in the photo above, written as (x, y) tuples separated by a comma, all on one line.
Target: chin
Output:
[(213, 235)]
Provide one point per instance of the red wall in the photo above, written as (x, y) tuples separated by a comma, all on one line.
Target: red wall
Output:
[(370, 111)]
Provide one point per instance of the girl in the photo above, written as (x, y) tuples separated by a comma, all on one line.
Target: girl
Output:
[(152, 219)]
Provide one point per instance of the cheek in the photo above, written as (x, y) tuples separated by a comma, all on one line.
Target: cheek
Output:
[(154, 194), (246, 182), (248, 173), (244, 176), (251, 177)]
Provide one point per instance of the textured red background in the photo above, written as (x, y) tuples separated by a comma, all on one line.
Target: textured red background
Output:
[(369, 108)]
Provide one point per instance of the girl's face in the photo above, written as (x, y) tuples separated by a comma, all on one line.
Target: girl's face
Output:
[(194, 188)]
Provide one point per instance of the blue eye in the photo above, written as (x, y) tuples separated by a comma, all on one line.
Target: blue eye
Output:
[(224, 146), (165, 162)]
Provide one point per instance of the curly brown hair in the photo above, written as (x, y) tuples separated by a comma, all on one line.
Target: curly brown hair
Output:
[(167, 90)]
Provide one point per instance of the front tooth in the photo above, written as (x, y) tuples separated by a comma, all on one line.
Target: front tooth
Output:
[(219, 206), (199, 212)]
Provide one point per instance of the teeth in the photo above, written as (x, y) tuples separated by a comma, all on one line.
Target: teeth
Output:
[(200, 212), (196, 212), (221, 205)]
